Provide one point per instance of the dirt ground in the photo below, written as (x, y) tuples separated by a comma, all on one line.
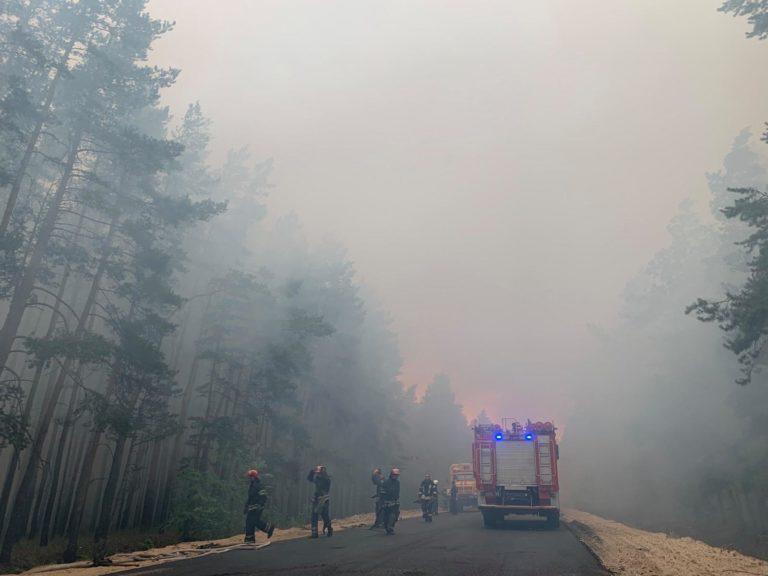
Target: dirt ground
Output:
[(627, 551), (156, 556)]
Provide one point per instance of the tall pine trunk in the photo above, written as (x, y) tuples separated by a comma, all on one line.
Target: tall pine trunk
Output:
[(150, 496), (107, 504), (178, 441), (45, 528), (71, 465), (32, 143), (23, 503), (10, 473), (27, 283), (80, 496), (34, 524)]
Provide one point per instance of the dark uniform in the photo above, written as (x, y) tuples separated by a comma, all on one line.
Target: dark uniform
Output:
[(427, 494), (253, 509), (454, 498), (390, 502), (321, 500), (378, 479)]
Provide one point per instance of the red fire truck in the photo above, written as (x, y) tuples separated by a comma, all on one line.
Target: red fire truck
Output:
[(516, 471)]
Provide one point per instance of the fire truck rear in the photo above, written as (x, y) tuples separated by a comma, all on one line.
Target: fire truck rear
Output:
[(463, 478), (516, 471)]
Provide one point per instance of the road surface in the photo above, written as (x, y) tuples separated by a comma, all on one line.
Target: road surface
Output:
[(450, 546)]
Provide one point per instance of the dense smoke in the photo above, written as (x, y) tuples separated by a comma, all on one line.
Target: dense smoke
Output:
[(277, 235), (662, 436)]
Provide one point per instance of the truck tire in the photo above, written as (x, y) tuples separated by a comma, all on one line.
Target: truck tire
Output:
[(553, 520), (491, 519)]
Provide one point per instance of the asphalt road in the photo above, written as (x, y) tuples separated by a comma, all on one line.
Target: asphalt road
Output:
[(449, 546)]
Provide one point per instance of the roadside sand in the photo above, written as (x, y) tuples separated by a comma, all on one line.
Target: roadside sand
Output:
[(628, 551), (128, 560)]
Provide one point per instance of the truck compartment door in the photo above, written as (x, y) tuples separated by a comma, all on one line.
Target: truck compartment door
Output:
[(515, 464)]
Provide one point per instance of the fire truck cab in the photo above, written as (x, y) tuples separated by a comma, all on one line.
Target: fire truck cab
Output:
[(515, 469)]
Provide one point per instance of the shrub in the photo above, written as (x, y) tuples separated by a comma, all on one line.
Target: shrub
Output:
[(205, 506)]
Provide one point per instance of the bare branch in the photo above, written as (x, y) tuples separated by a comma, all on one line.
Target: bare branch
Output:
[(61, 301)]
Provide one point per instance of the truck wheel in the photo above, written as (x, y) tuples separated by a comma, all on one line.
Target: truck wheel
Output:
[(490, 520), (553, 520)]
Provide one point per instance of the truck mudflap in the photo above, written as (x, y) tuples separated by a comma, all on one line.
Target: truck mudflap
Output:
[(493, 514)]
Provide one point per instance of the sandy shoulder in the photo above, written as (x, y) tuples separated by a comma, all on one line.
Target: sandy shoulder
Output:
[(155, 556), (627, 551)]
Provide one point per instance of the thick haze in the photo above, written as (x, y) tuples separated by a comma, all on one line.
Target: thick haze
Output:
[(497, 170)]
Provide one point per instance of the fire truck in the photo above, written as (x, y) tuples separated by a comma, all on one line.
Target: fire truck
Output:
[(516, 471), (466, 487)]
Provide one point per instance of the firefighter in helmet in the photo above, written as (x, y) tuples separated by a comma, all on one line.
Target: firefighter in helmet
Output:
[(321, 500), (254, 507), (390, 500), (427, 493), (377, 478)]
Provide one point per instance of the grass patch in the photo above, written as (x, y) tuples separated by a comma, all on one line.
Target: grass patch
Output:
[(28, 554)]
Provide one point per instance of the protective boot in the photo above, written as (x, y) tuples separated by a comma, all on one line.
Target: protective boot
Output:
[(328, 530)]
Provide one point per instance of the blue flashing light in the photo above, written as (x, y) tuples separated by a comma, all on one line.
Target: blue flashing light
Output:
[(499, 436), (528, 436)]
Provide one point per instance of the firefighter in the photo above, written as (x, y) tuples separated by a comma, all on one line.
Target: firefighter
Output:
[(321, 500), (378, 479), (454, 497), (390, 500), (427, 492), (436, 501), (253, 509)]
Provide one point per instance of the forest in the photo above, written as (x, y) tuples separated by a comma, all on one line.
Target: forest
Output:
[(163, 329), (675, 421), (677, 416), (159, 339)]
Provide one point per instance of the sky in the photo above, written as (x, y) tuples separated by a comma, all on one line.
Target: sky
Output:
[(496, 170)]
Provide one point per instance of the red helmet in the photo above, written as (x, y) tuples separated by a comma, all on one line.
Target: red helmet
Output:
[(253, 473)]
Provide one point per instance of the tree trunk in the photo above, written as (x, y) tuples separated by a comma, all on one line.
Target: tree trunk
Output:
[(13, 464), (26, 285), (178, 440), (107, 505), (41, 491), (202, 449), (150, 496), (32, 144), (23, 501), (81, 493), (45, 529), (83, 483), (127, 489), (136, 496), (64, 509)]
